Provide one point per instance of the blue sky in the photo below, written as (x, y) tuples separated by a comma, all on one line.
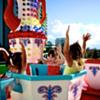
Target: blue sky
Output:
[(82, 15)]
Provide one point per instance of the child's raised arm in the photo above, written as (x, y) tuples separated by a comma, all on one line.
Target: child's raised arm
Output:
[(23, 56), (85, 39), (60, 55), (67, 48)]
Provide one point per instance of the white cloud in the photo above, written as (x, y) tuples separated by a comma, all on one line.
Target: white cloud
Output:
[(51, 37), (58, 29)]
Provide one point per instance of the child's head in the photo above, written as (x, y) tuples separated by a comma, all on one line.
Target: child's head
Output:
[(55, 56), (16, 59), (51, 57), (3, 62), (3, 55), (51, 53), (75, 50)]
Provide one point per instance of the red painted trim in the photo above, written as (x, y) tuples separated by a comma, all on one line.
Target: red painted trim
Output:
[(10, 19), (28, 70), (53, 70), (92, 91), (93, 61), (43, 11), (30, 34)]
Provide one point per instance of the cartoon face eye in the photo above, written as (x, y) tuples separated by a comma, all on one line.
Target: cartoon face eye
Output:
[(90, 67), (98, 68)]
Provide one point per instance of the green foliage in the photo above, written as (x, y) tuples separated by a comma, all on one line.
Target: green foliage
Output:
[(48, 47), (92, 53), (95, 54), (3, 68)]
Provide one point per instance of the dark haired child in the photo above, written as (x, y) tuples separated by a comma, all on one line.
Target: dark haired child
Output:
[(54, 61), (3, 62), (17, 61), (74, 54), (55, 56)]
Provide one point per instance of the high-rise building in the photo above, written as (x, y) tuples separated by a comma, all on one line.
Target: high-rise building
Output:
[(59, 41)]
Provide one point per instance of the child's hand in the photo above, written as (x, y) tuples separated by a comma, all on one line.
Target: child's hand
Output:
[(22, 45), (13, 68), (59, 49), (86, 37)]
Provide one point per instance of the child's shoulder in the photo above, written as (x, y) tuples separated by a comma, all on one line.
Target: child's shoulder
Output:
[(76, 62)]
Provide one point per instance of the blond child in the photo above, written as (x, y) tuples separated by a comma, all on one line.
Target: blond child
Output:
[(55, 56)]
